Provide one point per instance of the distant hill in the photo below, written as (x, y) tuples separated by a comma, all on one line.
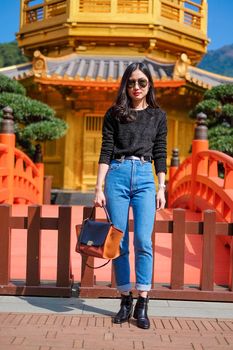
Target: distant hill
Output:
[(219, 61), (10, 54)]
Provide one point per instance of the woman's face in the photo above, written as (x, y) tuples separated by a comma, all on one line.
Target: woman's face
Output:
[(138, 86)]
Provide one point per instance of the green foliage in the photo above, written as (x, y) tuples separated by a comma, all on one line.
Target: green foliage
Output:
[(25, 109), (52, 130), (227, 111), (10, 54), (218, 106), (222, 93), (209, 107), (34, 121), (9, 85), (221, 139)]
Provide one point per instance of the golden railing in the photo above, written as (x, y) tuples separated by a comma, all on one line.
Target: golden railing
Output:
[(95, 6), (40, 12), (133, 6), (185, 12)]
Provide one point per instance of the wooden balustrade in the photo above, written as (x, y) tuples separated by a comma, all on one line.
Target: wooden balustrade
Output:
[(175, 224), (179, 227), (196, 183), (21, 180), (185, 12), (204, 188), (42, 11), (34, 222)]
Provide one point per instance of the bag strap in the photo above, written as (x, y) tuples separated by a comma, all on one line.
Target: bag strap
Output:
[(108, 219), (98, 267), (106, 212)]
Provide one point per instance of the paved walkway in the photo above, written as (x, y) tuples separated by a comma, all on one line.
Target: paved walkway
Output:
[(32, 323)]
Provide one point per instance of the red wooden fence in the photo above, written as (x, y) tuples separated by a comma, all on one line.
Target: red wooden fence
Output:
[(34, 223), (178, 227)]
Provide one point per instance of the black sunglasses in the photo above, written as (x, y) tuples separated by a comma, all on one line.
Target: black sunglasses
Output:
[(142, 83)]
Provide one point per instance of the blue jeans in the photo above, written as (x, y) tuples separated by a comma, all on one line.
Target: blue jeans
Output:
[(131, 183)]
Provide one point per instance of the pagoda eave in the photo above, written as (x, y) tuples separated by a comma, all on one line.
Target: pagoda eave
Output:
[(104, 84)]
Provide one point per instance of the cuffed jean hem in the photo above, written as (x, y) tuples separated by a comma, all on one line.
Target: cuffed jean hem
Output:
[(125, 288), (143, 287)]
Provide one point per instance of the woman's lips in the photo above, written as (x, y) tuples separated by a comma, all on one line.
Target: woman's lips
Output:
[(136, 93)]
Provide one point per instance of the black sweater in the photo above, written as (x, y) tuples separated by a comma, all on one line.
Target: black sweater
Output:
[(145, 136)]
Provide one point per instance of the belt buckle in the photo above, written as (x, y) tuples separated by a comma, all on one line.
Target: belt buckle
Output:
[(121, 159), (142, 159)]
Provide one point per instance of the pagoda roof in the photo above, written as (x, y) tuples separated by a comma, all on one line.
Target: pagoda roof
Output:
[(102, 71), (205, 78), (106, 71), (19, 71)]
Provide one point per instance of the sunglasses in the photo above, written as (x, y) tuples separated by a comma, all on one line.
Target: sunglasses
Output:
[(142, 83)]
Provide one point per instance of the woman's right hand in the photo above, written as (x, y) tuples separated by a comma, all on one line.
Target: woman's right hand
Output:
[(99, 199)]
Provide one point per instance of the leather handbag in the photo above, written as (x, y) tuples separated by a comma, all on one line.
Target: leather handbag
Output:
[(98, 238)]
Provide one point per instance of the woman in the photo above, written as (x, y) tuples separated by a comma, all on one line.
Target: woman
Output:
[(134, 134)]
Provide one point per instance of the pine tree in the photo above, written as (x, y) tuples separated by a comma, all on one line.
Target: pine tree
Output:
[(217, 104), (34, 121)]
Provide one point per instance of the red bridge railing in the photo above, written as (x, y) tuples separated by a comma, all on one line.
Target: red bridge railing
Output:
[(21, 180), (197, 185)]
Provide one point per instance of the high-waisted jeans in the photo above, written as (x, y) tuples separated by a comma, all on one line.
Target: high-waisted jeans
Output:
[(131, 183)]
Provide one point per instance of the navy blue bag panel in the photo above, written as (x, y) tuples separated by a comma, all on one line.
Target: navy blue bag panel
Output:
[(94, 231)]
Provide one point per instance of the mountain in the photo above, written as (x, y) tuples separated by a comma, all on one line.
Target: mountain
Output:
[(219, 61)]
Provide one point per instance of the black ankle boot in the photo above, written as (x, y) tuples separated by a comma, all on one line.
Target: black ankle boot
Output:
[(126, 309), (140, 313)]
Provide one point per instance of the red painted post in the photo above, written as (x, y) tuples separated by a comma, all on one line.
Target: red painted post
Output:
[(33, 267), (64, 241), (231, 268), (47, 186), (5, 244), (7, 137), (200, 143), (113, 279), (178, 249), (40, 166), (175, 162), (208, 251)]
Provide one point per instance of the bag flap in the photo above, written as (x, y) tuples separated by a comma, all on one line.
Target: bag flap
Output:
[(94, 233)]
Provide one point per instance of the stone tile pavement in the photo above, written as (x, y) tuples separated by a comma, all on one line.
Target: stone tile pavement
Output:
[(29, 323)]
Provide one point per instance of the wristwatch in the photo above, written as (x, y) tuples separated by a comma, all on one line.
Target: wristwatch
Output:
[(162, 187)]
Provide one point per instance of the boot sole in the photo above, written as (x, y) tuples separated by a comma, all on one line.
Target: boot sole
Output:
[(143, 327), (126, 320)]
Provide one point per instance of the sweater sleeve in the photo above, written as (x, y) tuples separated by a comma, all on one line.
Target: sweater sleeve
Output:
[(107, 139), (160, 146)]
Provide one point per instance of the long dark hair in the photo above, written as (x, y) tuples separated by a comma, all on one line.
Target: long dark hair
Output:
[(122, 108)]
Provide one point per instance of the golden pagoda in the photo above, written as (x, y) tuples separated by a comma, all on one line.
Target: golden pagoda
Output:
[(79, 50)]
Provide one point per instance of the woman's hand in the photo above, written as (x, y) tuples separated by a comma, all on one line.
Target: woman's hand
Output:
[(160, 199), (99, 199)]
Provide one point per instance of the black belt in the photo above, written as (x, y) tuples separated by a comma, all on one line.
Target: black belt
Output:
[(142, 158)]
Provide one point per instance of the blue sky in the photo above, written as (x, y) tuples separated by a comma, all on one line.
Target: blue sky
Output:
[(220, 22)]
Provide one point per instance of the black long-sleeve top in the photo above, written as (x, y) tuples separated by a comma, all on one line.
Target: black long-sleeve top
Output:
[(145, 136)]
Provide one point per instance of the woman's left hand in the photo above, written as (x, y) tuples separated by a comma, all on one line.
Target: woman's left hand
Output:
[(160, 199)]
